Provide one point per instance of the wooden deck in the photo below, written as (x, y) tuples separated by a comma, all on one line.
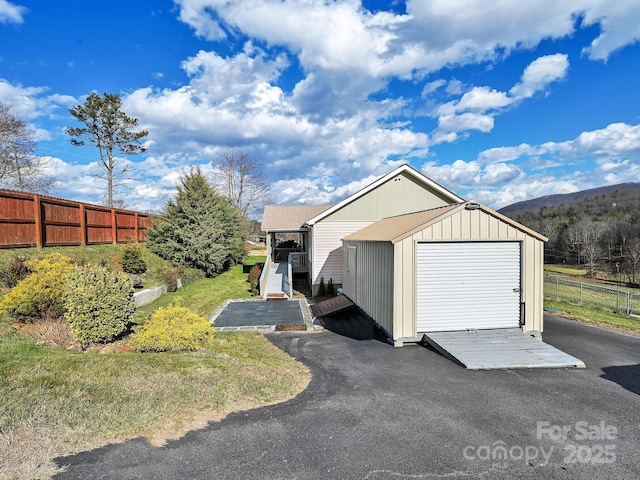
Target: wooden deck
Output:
[(499, 348), (331, 306)]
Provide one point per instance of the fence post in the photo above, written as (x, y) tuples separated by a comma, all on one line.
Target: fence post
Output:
[(114, 227), (557, 287), (628, 302), (83, 225), (37, 213), (580, 293)]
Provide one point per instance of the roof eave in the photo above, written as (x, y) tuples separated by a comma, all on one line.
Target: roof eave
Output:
[(403, 168)]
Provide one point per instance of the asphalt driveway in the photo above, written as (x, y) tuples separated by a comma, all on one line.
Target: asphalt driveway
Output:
[(377, 412)]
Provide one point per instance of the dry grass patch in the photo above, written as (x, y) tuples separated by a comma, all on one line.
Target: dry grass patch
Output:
[(59, 402)]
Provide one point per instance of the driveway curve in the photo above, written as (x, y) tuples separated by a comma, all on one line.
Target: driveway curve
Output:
[(373, 411)]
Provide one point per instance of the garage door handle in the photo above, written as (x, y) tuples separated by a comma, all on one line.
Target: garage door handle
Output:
[(516, 290)]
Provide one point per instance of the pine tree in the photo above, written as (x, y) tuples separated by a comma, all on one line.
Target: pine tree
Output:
[(199, 228)]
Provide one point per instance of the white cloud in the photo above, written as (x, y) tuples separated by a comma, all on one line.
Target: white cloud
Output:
[(432, 87), (476, 109), (615, 141), (619, 26), (540, 73), (503, 175), (30, 103), (342, 35), (525, 189), (11, 13), (465, 121)]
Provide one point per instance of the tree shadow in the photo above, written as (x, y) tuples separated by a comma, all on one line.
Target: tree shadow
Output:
[(627, 376), (354, 324)]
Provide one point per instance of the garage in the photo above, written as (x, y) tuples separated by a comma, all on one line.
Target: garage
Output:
[(467, 285), (460, 267)]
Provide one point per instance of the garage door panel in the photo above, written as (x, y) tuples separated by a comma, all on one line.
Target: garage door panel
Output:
[(468, 285)]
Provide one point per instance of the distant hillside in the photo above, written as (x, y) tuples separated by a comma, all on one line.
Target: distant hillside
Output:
[(605, 219), (568, 198)]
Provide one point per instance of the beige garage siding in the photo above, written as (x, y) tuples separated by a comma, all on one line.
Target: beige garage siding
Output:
[(371, 287), (465, 225)]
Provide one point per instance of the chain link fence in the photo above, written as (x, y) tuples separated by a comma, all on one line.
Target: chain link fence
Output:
[(621, 300)]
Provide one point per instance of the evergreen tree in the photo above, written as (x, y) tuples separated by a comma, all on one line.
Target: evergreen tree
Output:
[(109, 129), (199, 228)]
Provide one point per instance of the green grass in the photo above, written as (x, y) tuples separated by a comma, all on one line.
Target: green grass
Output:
[(204, 296), (56, 402), (596, 316), (591, 294), (107, 255), (561, 269)]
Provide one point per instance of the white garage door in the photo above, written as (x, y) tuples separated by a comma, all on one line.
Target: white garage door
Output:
[(468, 285)]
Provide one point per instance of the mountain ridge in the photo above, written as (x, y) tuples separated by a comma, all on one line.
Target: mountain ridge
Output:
[(566, 198)]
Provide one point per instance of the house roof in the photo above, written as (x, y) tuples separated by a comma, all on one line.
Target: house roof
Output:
[(289, 217), (395, 229), (406, 168)]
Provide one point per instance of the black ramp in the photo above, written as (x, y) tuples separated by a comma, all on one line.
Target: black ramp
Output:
[(259, 313)]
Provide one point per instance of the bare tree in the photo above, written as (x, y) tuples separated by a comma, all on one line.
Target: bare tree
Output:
[(591, 252), (240, 178), (109, 129), (574, 241), (20, 168), (633, 255)]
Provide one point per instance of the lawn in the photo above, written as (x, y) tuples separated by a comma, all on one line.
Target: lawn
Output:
[(595, 316), (204, 296), (57, 402), (562, 269)]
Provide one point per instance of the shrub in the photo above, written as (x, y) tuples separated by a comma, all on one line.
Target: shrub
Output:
[(254, 278), (14, 271), (331, 290), (189, 275), (99, 304), (39, 295), (131, 259), (322, 288), (170, 278), (172, 329)]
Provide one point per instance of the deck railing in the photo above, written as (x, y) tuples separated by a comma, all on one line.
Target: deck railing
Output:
[(299, 262)]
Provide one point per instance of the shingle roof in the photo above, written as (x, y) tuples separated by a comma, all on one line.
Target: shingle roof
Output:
[(289, 217)]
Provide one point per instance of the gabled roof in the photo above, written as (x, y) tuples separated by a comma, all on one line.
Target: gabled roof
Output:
[(395, 229), (406, 168), (287, 218)]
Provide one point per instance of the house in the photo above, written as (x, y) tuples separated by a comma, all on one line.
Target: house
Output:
[(460, 267), (425, 266), (318, 230)]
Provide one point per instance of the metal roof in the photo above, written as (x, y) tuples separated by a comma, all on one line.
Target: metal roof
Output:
[(289, 217), (395, 229)]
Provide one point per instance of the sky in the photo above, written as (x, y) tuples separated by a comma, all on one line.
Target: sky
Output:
[(498, 101)]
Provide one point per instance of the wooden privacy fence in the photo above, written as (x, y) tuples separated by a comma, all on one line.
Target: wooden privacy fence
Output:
[(29, 220)]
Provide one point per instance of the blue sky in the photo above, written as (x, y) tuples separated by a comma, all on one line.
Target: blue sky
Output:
[(497, 101)]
